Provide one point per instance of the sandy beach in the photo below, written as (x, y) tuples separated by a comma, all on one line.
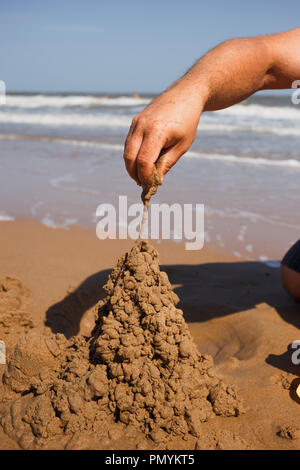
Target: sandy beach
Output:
[(236, 311), (149, 229)]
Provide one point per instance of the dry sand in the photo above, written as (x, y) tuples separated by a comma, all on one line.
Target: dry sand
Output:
[(236, 312)]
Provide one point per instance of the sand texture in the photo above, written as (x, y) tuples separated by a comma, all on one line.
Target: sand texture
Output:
[(140, 368), (152, 185), (120, 367)]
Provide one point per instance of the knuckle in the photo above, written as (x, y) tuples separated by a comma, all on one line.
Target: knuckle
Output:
[(129, 158), (128, 154), (143, 162), (141, 120), (134, 121), (137, 124), (157, 127)]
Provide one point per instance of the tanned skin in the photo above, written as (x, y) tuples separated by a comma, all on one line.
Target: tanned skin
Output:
[(226, 75)]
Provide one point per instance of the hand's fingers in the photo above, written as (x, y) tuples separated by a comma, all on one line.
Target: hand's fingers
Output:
[(170, 157), (131, 149), (147, 156)]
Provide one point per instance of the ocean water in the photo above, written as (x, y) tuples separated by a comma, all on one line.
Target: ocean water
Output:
[(61, 156)]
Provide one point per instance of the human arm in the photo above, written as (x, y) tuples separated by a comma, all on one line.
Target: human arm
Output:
[(226, 75)]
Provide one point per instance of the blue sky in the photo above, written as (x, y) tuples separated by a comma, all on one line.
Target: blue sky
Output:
[(115, 45)]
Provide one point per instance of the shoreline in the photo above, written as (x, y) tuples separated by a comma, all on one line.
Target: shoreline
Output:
[(210, 245), (247, 208)]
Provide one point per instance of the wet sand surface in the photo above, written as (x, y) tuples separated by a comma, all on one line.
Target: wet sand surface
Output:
[(236, 312)]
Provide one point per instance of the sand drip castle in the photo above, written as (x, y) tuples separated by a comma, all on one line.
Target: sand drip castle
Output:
[(139, 376)]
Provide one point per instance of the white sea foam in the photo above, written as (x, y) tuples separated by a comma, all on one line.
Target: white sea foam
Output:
[(58, 140), (6, 218), (48, 222), (35, 207), (249, 127), (66, 119), (59, 182), (70, 101), (270, 263), (263, 112), (56, 182), (232, 213), (288, 163), (93, 120), (89, 101), (237, 254)]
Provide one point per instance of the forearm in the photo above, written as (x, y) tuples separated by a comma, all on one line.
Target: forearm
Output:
[(226, 75), (237, 68)]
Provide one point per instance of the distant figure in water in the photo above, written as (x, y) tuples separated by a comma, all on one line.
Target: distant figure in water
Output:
[(105, 97), (135, 95), (226, 75)]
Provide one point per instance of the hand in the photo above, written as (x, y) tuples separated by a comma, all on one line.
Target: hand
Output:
[(168, 125)]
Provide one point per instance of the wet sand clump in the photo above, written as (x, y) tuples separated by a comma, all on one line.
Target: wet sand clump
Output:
[(147, 193), (151, 187), (139, 374)]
